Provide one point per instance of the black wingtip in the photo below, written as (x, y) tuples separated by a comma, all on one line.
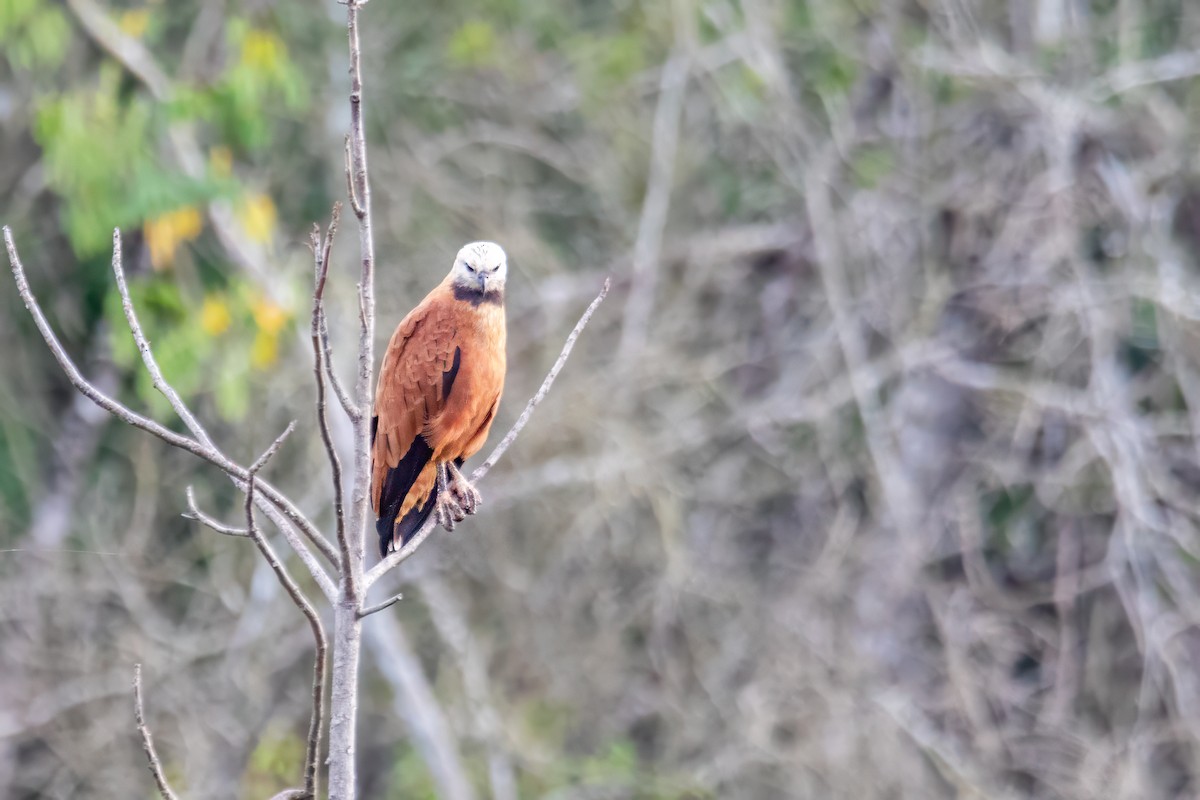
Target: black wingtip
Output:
[(383, 527), (396, 485)]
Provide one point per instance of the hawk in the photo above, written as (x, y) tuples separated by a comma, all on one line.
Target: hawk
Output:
[(439, 387)]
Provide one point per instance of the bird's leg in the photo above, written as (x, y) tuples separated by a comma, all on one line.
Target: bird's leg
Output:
[(448, 511), (463, 490)]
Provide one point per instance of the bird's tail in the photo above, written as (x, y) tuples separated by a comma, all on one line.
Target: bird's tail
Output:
[(400, 531)]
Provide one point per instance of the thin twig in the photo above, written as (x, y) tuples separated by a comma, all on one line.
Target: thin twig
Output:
[(194, 512), (76, 377), (355, 205), (391, 601), (156, 769), (269, 452), (545, 387), (323, 581), (321, 249), (143, 346), (399, 556), (165, 388), (323, 327), (339, 389), (312, 753)]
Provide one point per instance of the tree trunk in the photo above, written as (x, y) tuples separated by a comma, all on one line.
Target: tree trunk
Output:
[(343, 700)]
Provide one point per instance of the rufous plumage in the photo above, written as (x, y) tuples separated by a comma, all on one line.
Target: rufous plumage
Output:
[(439, 387)]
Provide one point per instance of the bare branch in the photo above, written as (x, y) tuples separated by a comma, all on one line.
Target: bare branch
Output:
[(391, 601), (312, 754), (355, 205), (361, 198), (128, 416), (127, 50), (523, 420), (339, 389), (324, 582), (270, 451), (185, 414), (347, 626), (1126, 77), (655, 205), (143, 346), (326, 245), (321, 248), (73, 374), (147, 742), (399, 556), (193, 512)]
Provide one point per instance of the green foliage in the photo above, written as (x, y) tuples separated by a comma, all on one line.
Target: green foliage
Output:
[(274, 765), (606, 62), (262, 75), (870, 165), (1142, 346), (744, 91), (105, 154), (261, 78), (33, 34), (473, 44), (1003, 508), (17, 454), (616, 766), (216, 343), (98, 148), (411, 779)]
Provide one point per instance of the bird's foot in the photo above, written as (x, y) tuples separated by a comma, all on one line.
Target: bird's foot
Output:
[(448, 512), (463, 491)]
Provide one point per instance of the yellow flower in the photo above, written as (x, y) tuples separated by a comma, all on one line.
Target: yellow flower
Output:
[(214, 315), (257, 215), (220, 161), (269, 317), (262, 50), (265, 350), (188, 223), (166, 232), (134, 22)]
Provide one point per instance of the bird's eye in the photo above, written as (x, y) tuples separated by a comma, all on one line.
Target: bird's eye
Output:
[(469, 267)]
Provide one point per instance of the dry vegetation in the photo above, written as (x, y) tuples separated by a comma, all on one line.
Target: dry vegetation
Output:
[(875, 478)]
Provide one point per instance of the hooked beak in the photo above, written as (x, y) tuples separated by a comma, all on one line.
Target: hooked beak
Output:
[(483, 283)]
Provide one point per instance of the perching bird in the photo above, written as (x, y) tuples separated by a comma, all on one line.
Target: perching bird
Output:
[(438, 390)]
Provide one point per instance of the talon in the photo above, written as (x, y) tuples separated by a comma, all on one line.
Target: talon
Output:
[(463, 490), (448, 512)]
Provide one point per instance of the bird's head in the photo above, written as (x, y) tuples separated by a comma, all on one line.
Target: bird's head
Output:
[(480, 268)]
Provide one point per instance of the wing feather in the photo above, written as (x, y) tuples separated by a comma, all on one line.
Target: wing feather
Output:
[(415, 379)]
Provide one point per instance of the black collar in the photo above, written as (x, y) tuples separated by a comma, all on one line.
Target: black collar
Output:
[(475, 296)]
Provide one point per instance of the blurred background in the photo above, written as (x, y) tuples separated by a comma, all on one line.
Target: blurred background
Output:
[(875, 477)]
